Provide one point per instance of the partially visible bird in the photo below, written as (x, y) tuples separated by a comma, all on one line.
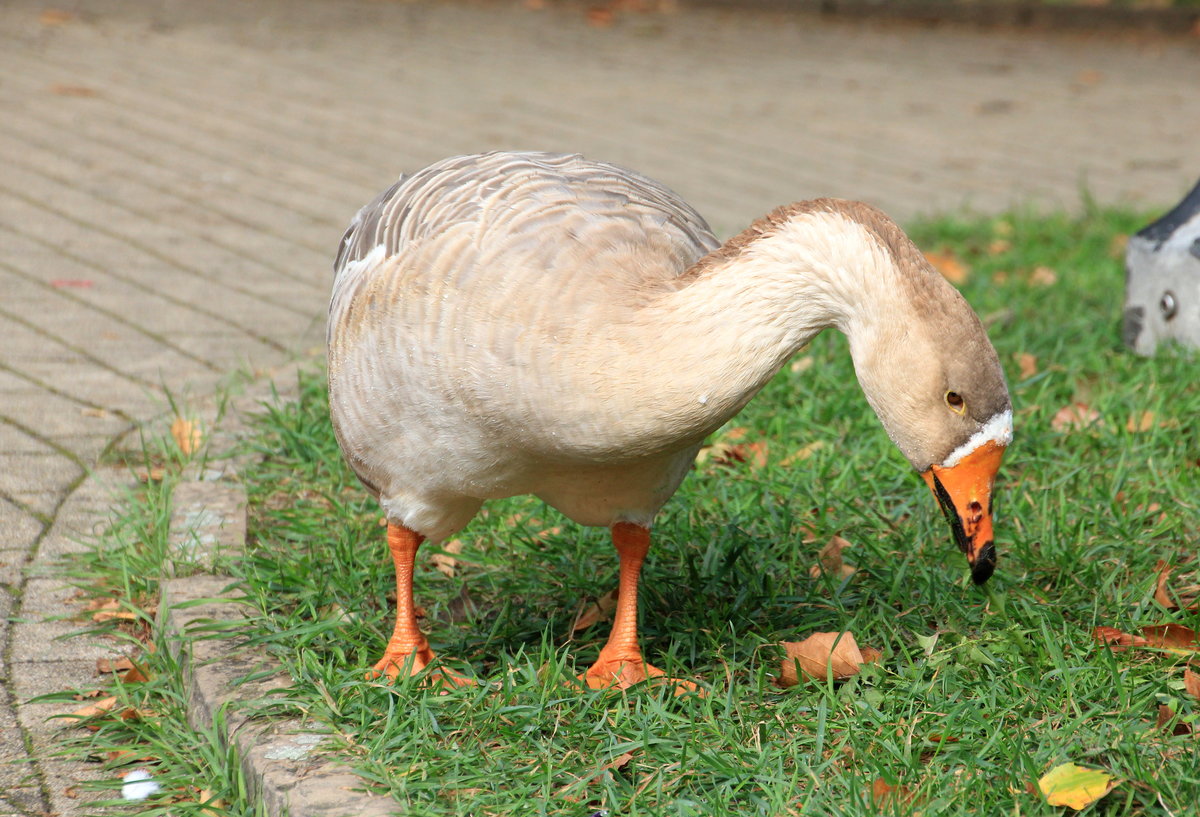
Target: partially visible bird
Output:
[(536, 323), (1162, 279)]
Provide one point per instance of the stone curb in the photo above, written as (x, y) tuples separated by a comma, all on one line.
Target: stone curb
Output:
[(1043, 16), (281, 762)]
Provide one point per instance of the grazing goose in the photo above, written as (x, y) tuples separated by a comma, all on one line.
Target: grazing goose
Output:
[(535, 323), (1162, 280)]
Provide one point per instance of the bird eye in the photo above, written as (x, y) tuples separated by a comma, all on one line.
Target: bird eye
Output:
[(1168, 305), (955, 401)]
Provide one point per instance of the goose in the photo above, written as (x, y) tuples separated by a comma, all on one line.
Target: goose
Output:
[(1162, 280), (515, 323)]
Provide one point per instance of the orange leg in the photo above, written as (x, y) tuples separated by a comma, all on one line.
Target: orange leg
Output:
[(620, 663), (407, 650)]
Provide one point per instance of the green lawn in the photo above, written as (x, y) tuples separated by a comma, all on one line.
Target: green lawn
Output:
[(976, 695)]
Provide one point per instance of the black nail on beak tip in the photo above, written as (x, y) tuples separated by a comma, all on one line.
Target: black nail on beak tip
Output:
[(985, 564)]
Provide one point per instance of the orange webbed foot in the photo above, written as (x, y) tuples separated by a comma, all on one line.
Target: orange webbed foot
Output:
[(395, 664), (624, 672)]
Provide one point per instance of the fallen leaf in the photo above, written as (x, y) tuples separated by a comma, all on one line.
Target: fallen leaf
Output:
[(63, 89), (104, 666), (1116, 639), (1191, 683), (55, 17), (599, 610), (1028, 365), (71, 283), (1043, 277), (829, 561), (110, 609), (949, 265), (886, 795), (1074, 416), (870, 655), (1183, 598), (1165, 715), (818, 655), (801, 364), (100, 707), (187, 435), (998, 246), (446, 561), (804, 453), (134, 675), (1143, 421), (728, 455), (1074, 786), (150, 474), (1089, 76), (1173, 637), (600, 17)]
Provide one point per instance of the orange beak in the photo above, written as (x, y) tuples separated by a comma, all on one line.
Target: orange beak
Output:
[(964, 491)]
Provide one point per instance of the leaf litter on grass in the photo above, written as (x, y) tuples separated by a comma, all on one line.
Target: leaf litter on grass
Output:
[(1074, 786)]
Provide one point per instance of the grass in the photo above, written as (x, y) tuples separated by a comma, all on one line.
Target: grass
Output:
[(978, 693)]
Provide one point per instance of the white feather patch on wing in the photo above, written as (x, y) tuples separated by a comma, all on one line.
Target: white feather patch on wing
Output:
[(997, 430)]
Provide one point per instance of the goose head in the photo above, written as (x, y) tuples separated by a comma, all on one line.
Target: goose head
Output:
[(1162, 280), (927, 368)]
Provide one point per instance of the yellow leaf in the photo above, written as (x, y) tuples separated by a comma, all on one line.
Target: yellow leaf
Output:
[(803, 454), (1074, 786), (187, 435)]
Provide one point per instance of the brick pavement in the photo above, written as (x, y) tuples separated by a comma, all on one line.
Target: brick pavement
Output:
[(175, 176)]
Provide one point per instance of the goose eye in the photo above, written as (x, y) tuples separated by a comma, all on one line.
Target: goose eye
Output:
[(1168, 305), (955, 402)]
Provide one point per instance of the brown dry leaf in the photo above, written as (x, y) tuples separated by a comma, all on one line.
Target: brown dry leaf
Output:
[(1028, 365), (55, 17), (1165, 714), (600, 16), (997, 246), (100, 707), (870, 655), (1117, 640), (804, 453), (187, 435), (1191, 683), (949, 265), (829, 561), (1074, 786), (1089, 76), (599, 610), (109, 609), (1186, 597), (1074, 416), (65, 89), (150, 474), (819, 654), (134, 675), (730, 454), (886, 795), (1043, 277), (208, 802), (104, 666), (1140, 421), (446, 562), (1173, 637)]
